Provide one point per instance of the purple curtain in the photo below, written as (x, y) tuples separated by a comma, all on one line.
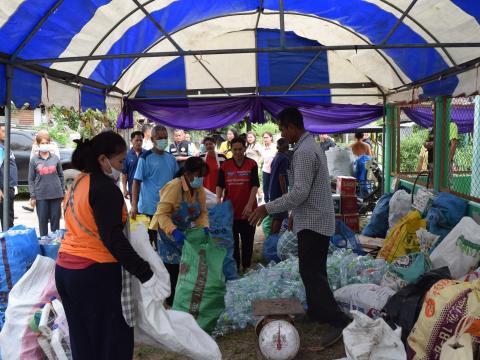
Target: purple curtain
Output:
[(460, 115), (210, 113)]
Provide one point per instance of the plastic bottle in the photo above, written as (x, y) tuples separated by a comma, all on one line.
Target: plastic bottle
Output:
[(59, 345), (45, 346), (46, 319)]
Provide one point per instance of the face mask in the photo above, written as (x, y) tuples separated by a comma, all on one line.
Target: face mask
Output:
[(115, 174), (196, 182), (161, 144), (44, 148)]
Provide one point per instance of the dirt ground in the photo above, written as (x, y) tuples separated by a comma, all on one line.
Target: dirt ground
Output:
[(242, 345)]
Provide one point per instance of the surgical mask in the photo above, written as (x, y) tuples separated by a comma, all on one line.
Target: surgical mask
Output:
[(161, 144), (44, 148), (115, 174), (196, 182)]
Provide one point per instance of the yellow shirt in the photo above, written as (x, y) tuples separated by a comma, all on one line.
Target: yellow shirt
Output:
[(170, 198), (224, 149)]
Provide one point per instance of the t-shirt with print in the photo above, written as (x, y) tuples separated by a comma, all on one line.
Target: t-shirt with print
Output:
[(154, 171), (238, 182), (45, 178)]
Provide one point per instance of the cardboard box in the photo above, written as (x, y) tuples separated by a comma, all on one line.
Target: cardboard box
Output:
[(346, 185), (352, 221), (337, 203), (349, 204)]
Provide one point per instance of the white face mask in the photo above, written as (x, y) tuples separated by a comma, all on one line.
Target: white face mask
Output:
[(115, 174), (44, 148)]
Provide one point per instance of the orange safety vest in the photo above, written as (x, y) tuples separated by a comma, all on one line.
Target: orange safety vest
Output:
[(82, 238)]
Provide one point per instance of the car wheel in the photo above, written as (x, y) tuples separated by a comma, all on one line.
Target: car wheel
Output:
[(69, 177)]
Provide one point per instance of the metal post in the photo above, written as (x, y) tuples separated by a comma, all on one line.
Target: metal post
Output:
[(387, 159), (475, 185), (447, 167), (6, 144), (440, 109), (282, 23)]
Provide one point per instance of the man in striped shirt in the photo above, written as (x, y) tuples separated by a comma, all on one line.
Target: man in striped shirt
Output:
[(310, 200)]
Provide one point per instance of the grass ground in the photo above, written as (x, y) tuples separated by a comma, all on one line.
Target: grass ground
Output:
[(242, 345)]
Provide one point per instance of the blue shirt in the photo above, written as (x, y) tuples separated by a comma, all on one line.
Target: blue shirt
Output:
[(279, 167), (130, 166), (154, 171)]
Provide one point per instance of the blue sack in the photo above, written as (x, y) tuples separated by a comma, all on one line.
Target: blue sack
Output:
[(50, 250), (344, 237), (18, 247), (378, 224), (220, 219), (270, 248), (444, 214), (360, 172)]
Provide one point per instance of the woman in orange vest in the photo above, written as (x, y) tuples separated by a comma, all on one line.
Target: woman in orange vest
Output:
[(90, 273)]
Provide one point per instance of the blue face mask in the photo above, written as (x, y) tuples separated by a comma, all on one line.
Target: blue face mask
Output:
[(196, 182), (161, 144)]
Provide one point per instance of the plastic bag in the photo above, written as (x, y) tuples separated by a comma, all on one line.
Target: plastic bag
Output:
[(287, 245), (445, 304), (344, 268), (445, 213), (344, 237), (171, 330), (426, 240), (220, 219), (367, 298), (399, 206), (340, 162), (201, 284), (270, 248), (210, 198), (459, 346), (267, 226), (36, 287), (19, 250), (367, 339), (378, 224), (405, 270), (460, 250), (402, 238), (403, 307), (280, 280)]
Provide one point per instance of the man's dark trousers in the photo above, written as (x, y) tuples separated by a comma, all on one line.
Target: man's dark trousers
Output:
[(312, 255)]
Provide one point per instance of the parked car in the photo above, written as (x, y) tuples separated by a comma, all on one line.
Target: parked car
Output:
[(21, 144)]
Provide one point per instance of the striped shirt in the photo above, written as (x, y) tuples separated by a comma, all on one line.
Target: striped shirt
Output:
[(310, 197)]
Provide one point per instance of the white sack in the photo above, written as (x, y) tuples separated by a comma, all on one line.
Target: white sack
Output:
[(367, 298), (367, 339), (340, 162), (459, 250), (167, 329), (400, 205), (34, 289)]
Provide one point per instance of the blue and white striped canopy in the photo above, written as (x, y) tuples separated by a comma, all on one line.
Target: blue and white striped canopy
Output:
[(56, 29)]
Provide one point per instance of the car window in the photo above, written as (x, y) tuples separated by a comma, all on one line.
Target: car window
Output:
[(21, 142)]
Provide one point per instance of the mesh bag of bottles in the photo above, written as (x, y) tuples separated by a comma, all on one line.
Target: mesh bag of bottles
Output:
[(344, 267), (280, 280)]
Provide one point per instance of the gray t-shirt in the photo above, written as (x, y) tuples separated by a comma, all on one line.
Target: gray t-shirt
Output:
[(45, 178)]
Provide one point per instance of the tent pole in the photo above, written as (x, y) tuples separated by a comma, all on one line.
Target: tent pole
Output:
[(387, 161), (282, 23), (6, 144)]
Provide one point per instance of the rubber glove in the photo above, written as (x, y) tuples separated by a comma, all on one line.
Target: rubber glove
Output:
[(154, 286), (179, 237)]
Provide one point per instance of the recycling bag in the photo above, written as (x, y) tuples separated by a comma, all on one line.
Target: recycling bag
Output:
[(201, 287)]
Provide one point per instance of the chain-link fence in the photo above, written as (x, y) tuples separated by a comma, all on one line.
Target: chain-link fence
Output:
[(413, 152), (412, 156), (461, 177)]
